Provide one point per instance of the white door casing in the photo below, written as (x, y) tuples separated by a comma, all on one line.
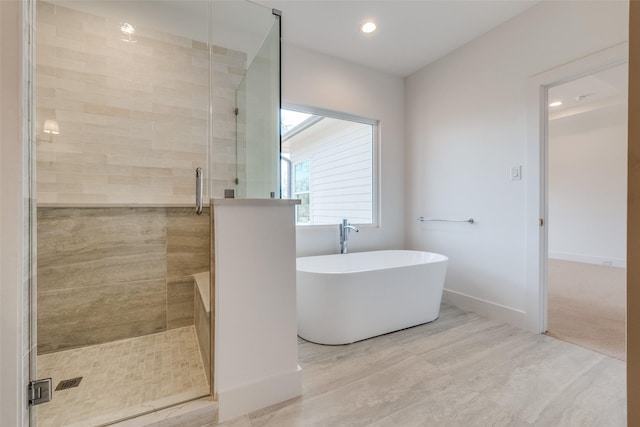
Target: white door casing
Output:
[(537, 165)]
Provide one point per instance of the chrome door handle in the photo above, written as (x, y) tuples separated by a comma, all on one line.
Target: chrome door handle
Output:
[(198, 191)]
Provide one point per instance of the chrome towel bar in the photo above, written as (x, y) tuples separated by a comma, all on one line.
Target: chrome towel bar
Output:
[(423, 219)]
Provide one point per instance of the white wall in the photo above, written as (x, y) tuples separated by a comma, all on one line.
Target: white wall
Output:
[(466, 127), (588, 187), (318, 80)]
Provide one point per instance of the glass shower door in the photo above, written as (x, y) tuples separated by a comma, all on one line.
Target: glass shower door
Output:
[(122, 120)]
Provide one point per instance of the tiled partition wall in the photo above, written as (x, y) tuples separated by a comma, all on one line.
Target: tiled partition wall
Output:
[(111, 273), (132, 111)]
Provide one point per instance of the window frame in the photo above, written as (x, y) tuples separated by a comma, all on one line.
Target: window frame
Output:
[(295, 193), (375, 163)]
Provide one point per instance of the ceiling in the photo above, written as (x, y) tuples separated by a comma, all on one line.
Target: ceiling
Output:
[(410, 34), (602, 90)]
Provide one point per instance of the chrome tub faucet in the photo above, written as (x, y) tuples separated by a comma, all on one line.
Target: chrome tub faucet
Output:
[(345, 227)]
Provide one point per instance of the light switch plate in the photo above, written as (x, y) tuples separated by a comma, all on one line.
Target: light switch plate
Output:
[(516, 173)]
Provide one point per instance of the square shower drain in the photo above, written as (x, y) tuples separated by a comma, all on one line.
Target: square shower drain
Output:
[(70, 383)]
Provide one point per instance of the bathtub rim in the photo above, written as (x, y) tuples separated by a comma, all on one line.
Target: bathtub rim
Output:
[(440, 258)]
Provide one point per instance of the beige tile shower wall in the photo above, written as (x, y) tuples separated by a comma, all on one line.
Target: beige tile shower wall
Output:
[(132, 115), (187, 254), (111, 273)]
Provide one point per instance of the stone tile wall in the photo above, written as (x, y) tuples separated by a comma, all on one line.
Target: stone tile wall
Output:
[(133, 116), (111, 273)]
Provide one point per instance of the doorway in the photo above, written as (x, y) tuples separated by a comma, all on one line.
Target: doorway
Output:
[(586, 202)]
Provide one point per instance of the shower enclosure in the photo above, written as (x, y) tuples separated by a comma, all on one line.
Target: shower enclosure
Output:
[(129, 99)]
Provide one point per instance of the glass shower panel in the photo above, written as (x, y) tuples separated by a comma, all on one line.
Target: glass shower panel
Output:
[(122, 120), (246, 100), (258, 122)]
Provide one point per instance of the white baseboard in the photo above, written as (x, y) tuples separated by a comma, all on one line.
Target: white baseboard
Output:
[(251, 397), (615, 262), (486, 308)]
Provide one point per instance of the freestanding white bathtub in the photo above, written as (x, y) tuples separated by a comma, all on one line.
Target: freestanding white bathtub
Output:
[(348, 298)]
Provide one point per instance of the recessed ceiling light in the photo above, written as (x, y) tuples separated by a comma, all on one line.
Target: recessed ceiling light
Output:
[(555, 104), (368, 27)]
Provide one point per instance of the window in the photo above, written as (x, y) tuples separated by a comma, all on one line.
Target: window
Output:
[(301, 180), (331, 159)]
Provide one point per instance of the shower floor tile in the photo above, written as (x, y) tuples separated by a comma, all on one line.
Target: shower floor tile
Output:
[(123, 378)]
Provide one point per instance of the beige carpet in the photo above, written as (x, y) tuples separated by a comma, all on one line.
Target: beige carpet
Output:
[(587, 306)]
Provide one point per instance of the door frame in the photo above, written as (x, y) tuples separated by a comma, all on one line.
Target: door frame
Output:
[(537, 165), (15, 340)]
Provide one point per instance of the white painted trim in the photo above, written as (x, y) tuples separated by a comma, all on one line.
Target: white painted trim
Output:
[(13, 358), (588, 259), (537, 87), (486, 308), (318, 111), (251, 397)]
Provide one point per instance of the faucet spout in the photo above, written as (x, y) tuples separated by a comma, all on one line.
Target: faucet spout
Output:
[(345, 227)]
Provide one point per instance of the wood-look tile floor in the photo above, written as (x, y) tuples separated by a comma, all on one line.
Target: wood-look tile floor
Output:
[(461, 370), (123, 378)]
